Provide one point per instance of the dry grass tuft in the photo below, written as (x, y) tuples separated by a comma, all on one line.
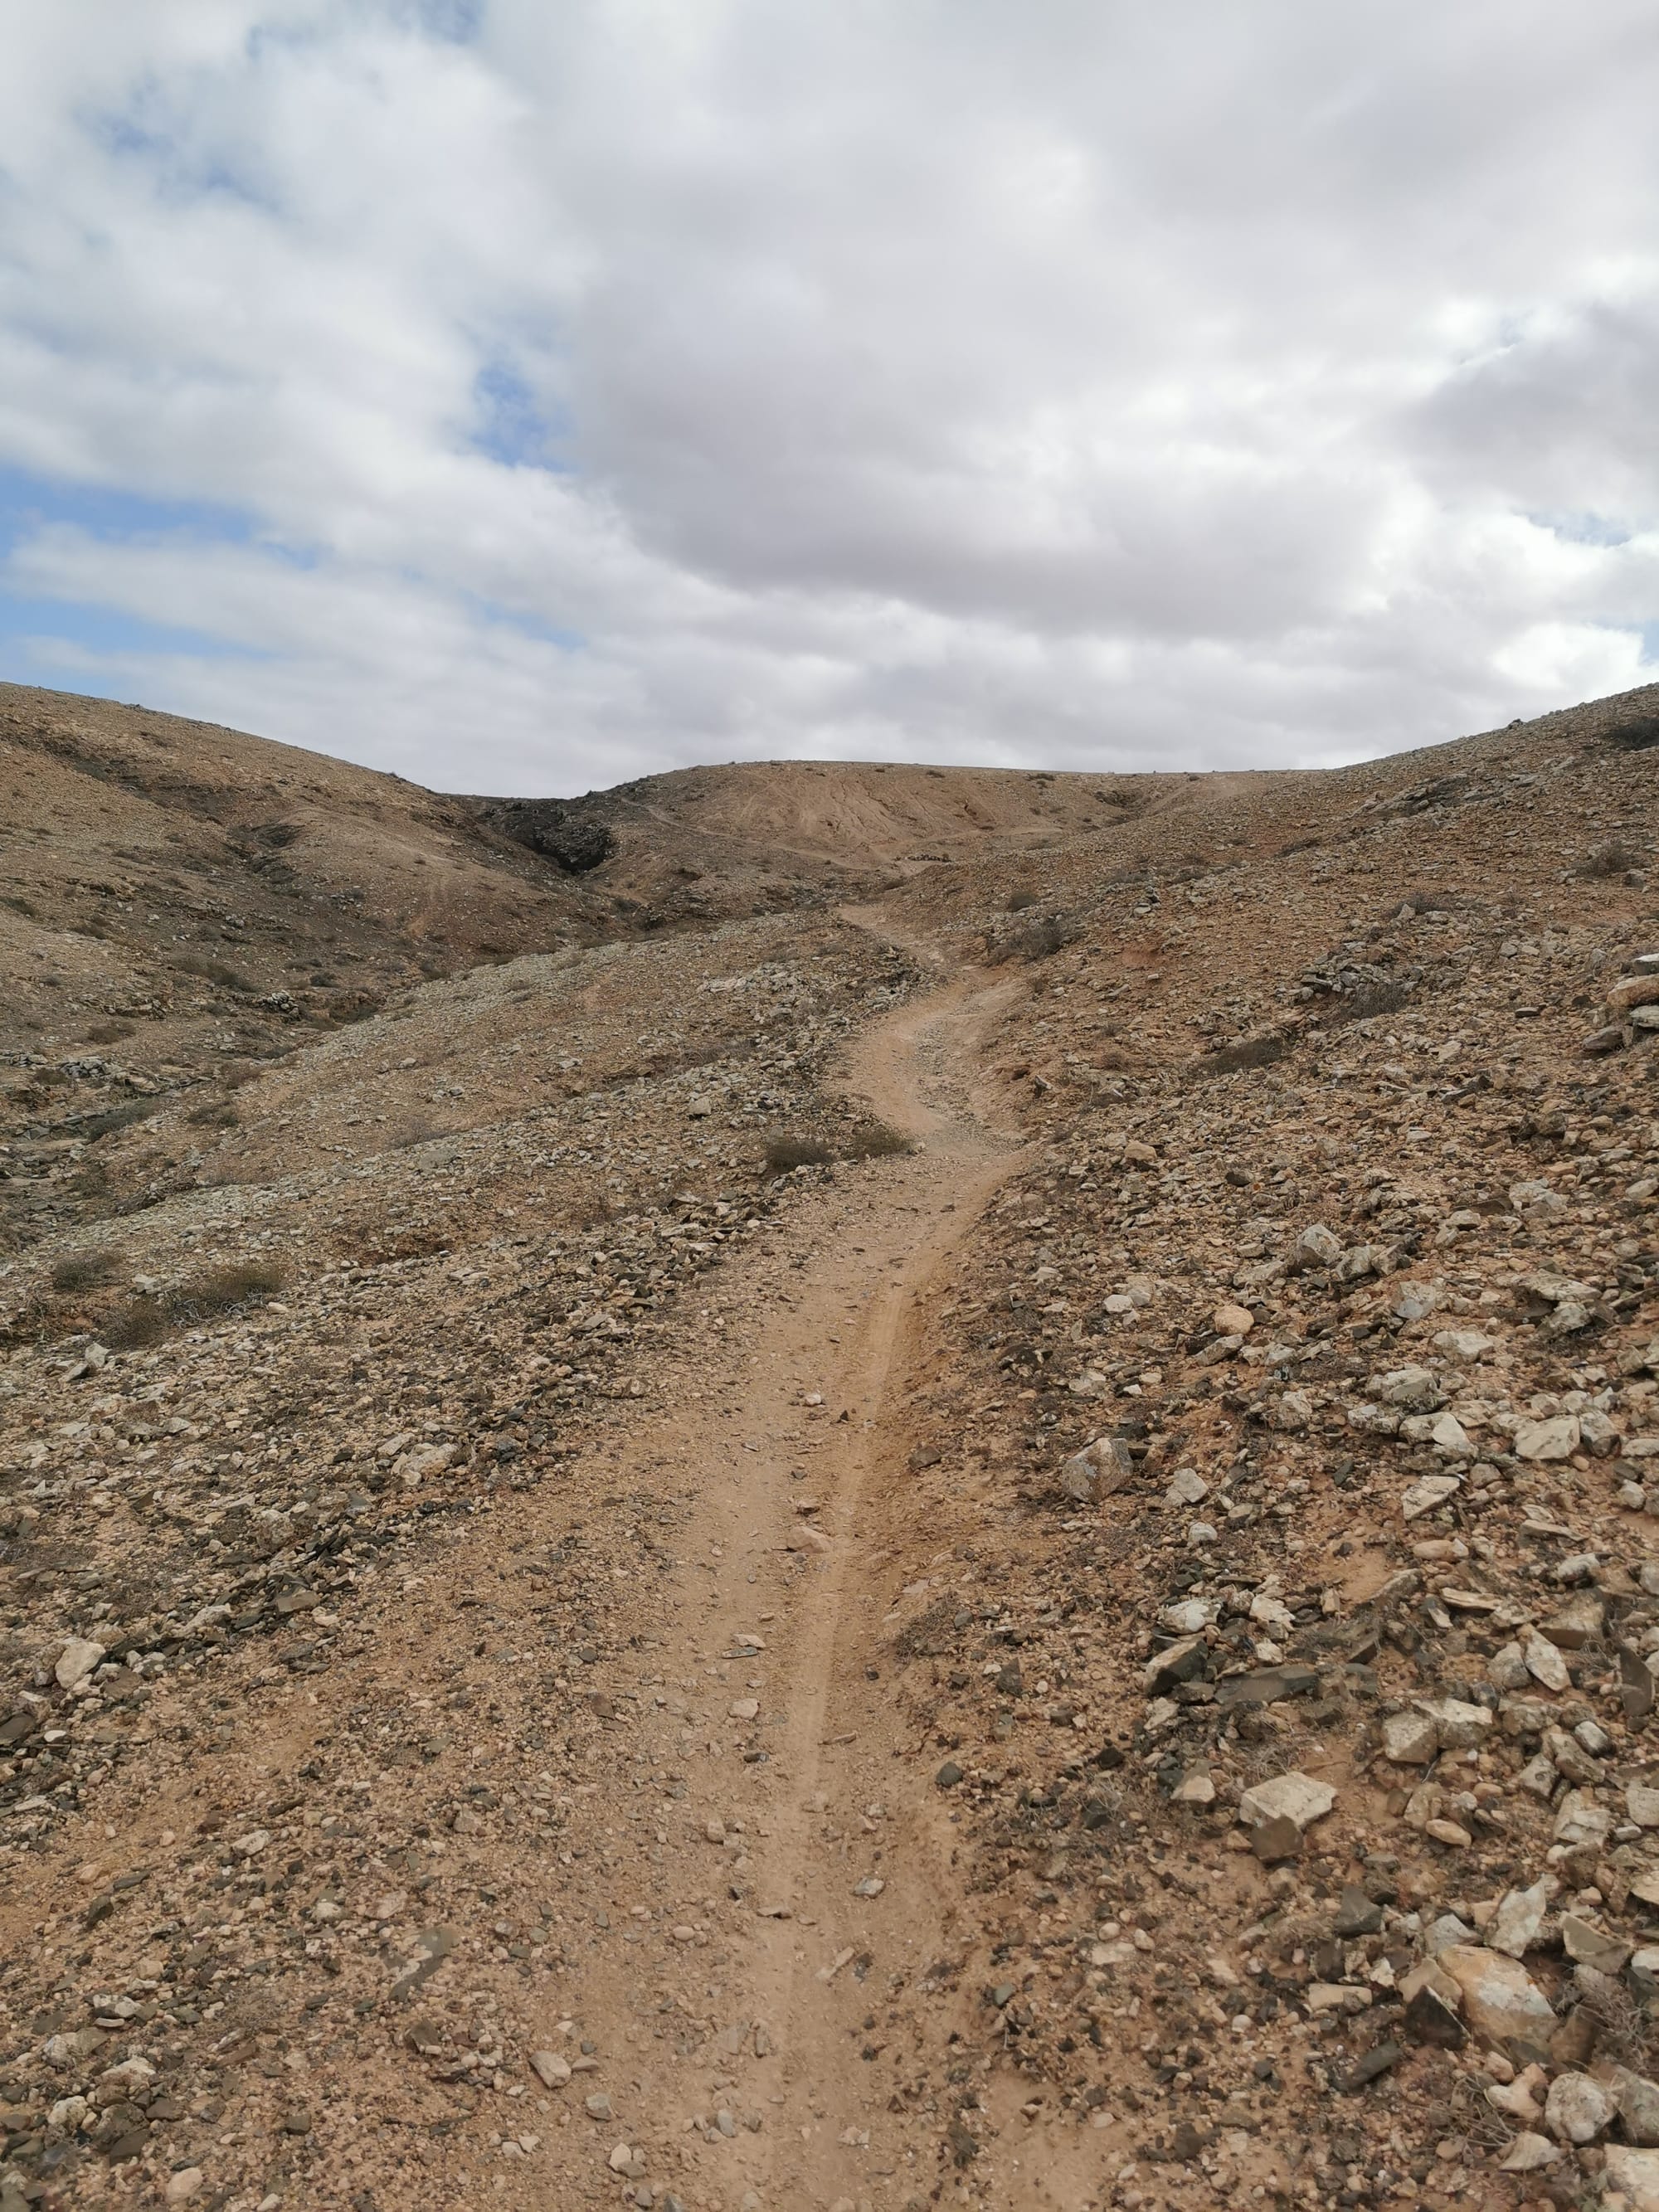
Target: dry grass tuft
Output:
[(1249, 1052), (784, 1155), (86, 1271), (1613, 859), (145, 1321), (874, 1140)]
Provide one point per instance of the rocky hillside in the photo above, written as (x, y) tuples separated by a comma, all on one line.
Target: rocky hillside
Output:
[(983, 1537)]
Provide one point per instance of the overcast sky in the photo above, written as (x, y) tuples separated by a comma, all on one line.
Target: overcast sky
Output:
[(527, 394)]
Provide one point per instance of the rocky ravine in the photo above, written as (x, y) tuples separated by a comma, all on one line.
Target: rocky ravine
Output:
[(652, 1646)]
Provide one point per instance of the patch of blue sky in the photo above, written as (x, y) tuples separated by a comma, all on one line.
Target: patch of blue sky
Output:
[(455, 22), (42, 640), (510, 425), (1584, 529), (145, 131), (28, 501), (61, 639)]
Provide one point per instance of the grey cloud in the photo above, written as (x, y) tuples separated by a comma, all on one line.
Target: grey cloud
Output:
[(1080, 383)]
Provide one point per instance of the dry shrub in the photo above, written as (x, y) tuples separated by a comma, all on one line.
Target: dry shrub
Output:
[(214, 1113), (874, 1140), (785, 1154), (588, 1209), (419, 1129), (144, 1321), (1636, 735), (1608, 860), (94, 1125), (1044, 938), (244, 1284), (1018, 902), (212, 971), (108, 1032), (1624, 2032), (1485, 2129), (141, 1322), (86, 1271), (412, 1243), (1249, 1052), (1362, 1004)]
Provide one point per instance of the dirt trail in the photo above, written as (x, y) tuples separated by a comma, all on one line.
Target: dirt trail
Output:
[(737, 1861), (801, 1472)]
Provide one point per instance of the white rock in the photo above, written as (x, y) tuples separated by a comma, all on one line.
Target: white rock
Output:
[(552, 2071), (1410, 1739), (1271, 1612), (1464, 1343), (1414, 1389), (1293, 1412), (1189, 1617), (1643, 1802), (1529, 2152), (1428, 1491), (1098, 1470), (1636, 2173), (1556, 1439), (1544, 1662), (183, 2186), (1336, 1996), (79, 1658), (1448, 1434), (1577, 2109), (1515, 1926), (1580, 1820), (128, 2077), (1500, 1998), (1461, 1726), (425, 1459), (744, 1708), (1295, 1797), (1186, 1487), (1316, 1247)]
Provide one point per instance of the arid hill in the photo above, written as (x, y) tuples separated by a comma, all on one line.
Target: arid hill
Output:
[(837, 1487)]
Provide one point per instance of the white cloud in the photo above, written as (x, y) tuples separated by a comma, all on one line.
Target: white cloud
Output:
[(643, 381)]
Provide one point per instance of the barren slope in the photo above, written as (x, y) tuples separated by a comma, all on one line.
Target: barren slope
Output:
[(582, 1627)]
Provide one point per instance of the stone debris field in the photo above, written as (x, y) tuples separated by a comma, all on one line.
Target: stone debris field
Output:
[(969, 1522)]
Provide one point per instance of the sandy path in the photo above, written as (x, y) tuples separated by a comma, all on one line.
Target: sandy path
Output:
[(812, 1790)]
